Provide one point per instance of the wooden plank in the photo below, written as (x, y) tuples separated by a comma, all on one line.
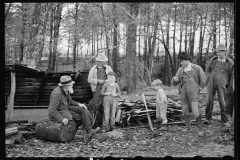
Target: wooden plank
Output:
[(29, 80), (149, 119), (9, 115), (27, 93)]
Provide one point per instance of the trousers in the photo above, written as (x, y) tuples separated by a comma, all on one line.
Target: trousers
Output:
[(82, 116), (110, 107)]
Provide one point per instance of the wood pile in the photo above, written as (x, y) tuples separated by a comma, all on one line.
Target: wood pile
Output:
[(130, 112), (18, 131)]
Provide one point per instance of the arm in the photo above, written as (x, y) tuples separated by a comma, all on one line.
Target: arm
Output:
[(54, 106), (91, 79), (202, 77), (118, 92), (179, 71), (104, 88), (71, 101)]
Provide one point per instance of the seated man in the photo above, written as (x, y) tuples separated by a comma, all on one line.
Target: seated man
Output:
[(62, 108)]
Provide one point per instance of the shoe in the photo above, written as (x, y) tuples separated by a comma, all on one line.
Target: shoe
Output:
[(89, 135), (159, 125), (200, 133), (207, 121)]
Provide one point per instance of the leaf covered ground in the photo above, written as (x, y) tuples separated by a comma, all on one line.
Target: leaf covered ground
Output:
[(132, 142)]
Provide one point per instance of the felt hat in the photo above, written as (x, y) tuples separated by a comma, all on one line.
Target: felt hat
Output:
[(101, 57), (221, 47), (184, 56), (65, 80)]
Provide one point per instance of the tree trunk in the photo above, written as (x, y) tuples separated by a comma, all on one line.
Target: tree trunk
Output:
[(22, 45), (115, 45), (225, 25), (131, 49), (68, 46), (186, 30), (214, 30), (75, 36), (57, 19), (174, 34), (193, 37), (50, 37), (34, 31), (231, 24), (167, 74), (49, 130)]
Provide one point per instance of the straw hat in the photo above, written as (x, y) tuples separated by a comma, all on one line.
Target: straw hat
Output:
[(101, 57), (221, 47), (65, 80)]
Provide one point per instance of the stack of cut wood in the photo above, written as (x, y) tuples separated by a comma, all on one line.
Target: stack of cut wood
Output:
[(17, 131), (134, 111)]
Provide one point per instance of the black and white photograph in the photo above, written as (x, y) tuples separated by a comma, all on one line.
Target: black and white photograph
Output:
[(98, 80)]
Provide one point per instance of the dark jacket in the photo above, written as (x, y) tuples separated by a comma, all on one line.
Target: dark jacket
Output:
[(58, 106), (226, 71), (198, 72)]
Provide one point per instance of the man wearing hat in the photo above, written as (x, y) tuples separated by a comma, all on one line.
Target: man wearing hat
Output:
[(97, 77), (63, 109), (218, 74), (191, 79)]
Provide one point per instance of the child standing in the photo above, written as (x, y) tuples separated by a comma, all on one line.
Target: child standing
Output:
[(161, 103), (110, 91)]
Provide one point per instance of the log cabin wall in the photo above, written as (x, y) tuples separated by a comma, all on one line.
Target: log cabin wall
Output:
[(33, 88)]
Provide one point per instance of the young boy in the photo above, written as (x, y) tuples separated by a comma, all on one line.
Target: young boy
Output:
[(110, 91), (161, 103)]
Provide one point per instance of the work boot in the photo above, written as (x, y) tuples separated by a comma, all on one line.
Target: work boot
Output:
[(90, 133), (207, 121), (188, 124), (199, 126), (159, 124)]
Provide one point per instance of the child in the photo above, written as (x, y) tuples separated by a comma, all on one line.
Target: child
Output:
[(110, 91), (161, 103)]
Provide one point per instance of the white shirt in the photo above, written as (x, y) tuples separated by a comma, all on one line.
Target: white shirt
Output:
[(188, 68), (222, 60)]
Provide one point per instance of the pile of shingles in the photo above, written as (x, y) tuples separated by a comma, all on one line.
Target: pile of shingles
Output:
[(18, 131), (132, 112)]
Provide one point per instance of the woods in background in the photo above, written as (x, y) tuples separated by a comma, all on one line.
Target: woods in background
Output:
[(133, 35)]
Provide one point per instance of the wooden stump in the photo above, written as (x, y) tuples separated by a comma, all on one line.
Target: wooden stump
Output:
[(49, 130)]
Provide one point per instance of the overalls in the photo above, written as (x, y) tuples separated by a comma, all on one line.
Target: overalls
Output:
[(189, 95), (217, 82), (110, 107), (98, 99)]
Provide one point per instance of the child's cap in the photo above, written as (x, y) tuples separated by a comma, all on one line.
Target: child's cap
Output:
[(157, 82), (111, 73)]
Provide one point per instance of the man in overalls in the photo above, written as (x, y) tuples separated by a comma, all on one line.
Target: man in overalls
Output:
[(192, 80), (218, 74)]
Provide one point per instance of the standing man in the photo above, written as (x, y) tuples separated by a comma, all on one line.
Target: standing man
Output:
[(97, 77), (62, 108), (218, 74), (191, 79)]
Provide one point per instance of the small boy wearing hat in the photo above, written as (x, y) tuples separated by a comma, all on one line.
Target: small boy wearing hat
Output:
[(110, 91), (161, 103), (191, 80)]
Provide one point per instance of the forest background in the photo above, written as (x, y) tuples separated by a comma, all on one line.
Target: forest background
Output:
[(141, 40)]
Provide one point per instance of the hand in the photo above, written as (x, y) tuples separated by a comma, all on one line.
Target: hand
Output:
[(65, 121), (175, 79), (82, 105), (114, 94), (101, 81), (107, 93)]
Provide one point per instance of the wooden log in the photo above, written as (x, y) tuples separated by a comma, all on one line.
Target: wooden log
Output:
[(49, 130), (118, 116), (149, 119), (10, 105), (19, 121)]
